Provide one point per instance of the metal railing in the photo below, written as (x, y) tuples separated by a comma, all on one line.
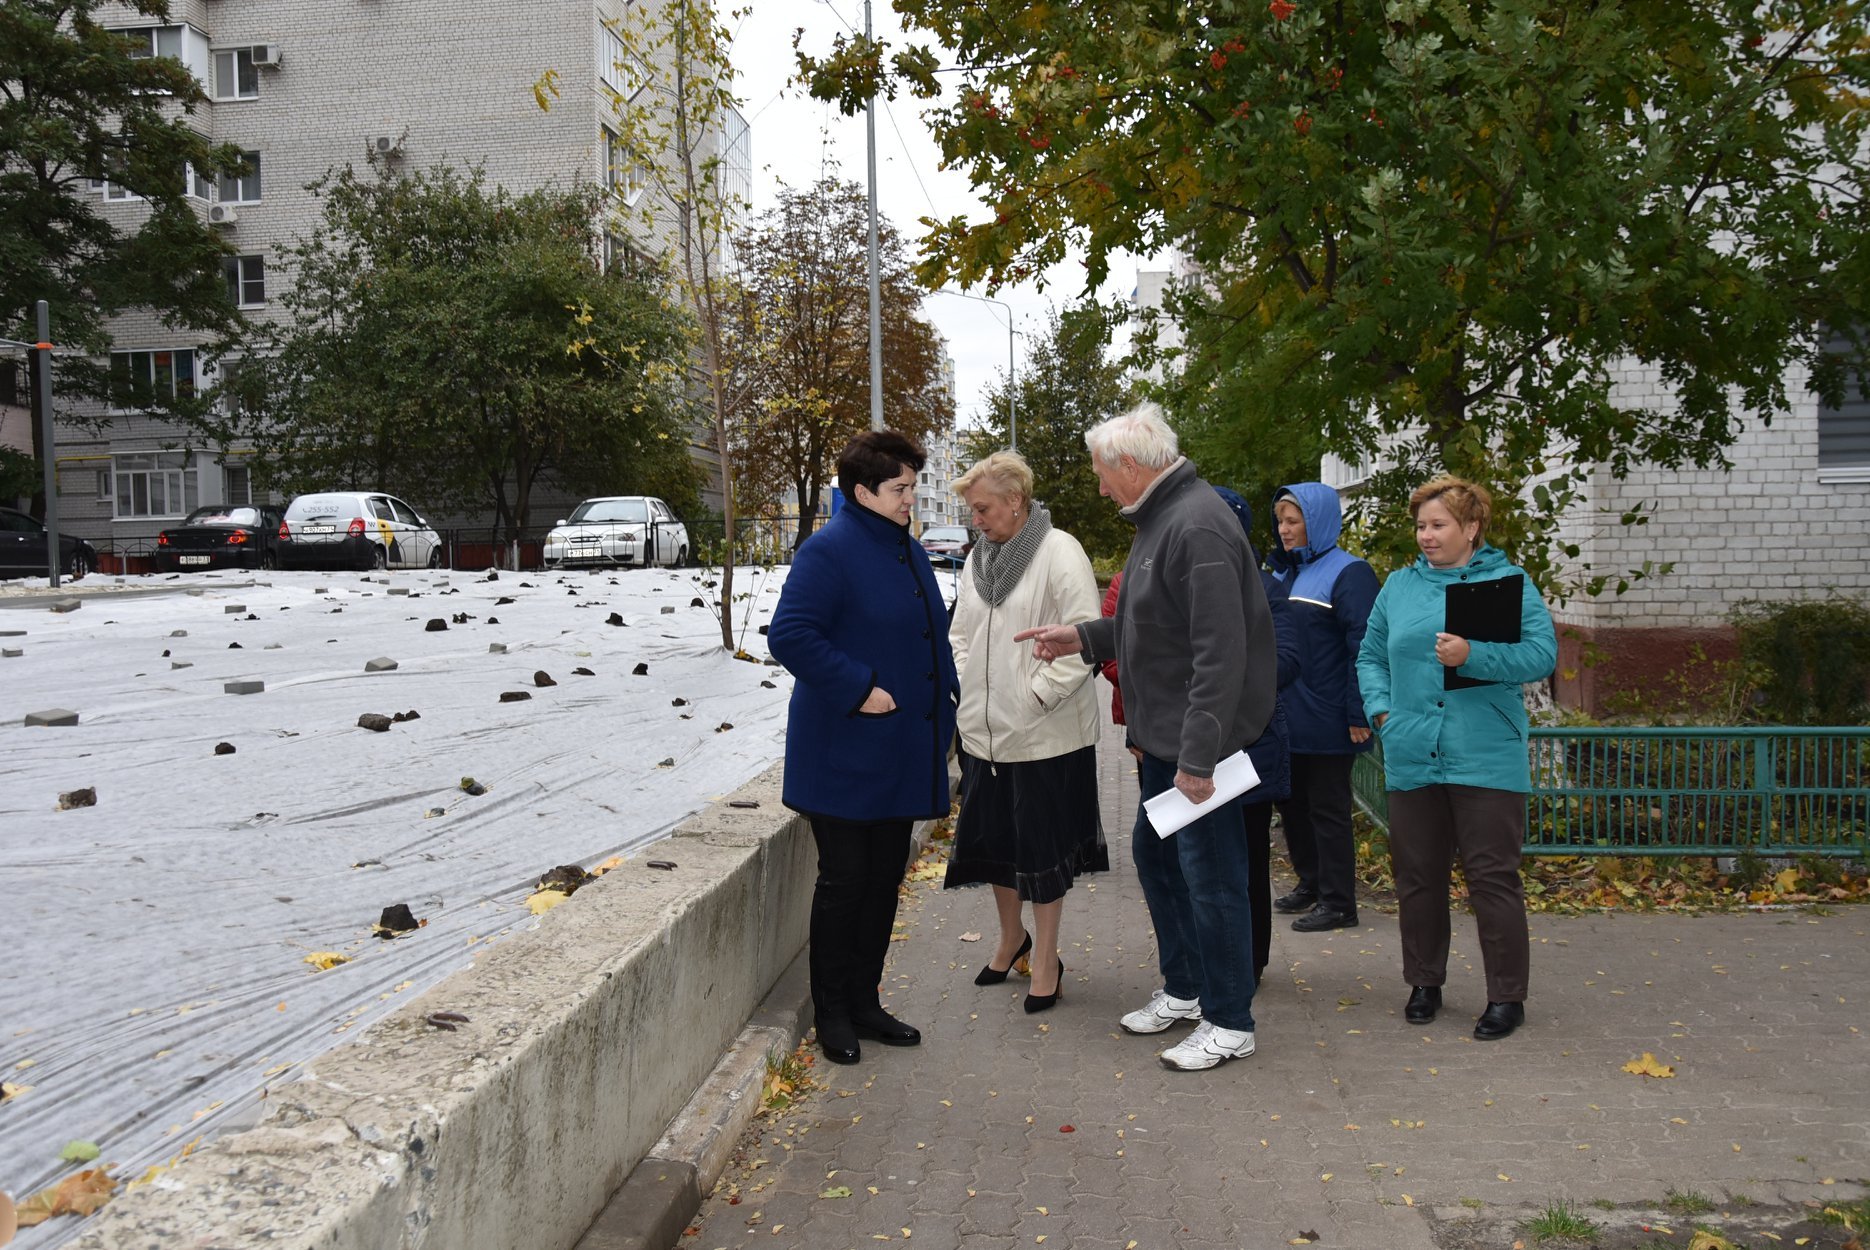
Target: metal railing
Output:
[(1726, 790)]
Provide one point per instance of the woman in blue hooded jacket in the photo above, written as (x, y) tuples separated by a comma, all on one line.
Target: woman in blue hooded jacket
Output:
[(1454, 760), (1330, 591), (861, 628)]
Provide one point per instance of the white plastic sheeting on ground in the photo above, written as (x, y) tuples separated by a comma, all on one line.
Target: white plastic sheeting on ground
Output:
[(155, 981)]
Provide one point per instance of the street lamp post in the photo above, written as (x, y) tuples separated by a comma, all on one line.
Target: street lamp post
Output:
[(40, 353), (1012, 391)]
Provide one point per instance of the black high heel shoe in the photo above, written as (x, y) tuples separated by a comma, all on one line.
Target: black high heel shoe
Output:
[(1036, 1003), (991, 975)]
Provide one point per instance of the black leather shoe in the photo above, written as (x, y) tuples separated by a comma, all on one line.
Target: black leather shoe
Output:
[(1499, 1020), (1320, 918), (991, 975), (879, 1025), (1294, 903), (838, 1039), (1424, 1002)]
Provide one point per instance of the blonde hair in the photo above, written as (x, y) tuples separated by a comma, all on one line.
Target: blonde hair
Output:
[(1467, 502), (1006, 473)]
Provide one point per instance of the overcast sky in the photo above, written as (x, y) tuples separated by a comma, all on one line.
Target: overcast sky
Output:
[(796, 137)]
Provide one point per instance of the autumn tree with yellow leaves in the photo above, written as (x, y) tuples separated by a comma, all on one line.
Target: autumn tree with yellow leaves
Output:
[(1433, 227)]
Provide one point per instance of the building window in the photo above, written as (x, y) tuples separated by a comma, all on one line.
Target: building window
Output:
[(146, 379), (197, 186), (242, 388), (236, 485), (235, 76), (103, 484), (1844, 429), (622, 172), (246, 280), (616, 68), (148, 41), (155, 484), (242, 188), (13, 392)]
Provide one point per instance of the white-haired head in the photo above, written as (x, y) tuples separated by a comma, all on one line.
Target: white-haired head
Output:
[(1142, 434)]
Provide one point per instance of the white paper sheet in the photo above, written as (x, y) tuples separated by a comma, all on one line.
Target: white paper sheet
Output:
[(1171, 810)]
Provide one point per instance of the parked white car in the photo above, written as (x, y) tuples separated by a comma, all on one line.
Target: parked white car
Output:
[(619, 529), (356, 530)]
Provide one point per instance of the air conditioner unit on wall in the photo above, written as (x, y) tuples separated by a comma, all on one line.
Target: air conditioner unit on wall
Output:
[(386, 145), (266, 54), (222, 215)]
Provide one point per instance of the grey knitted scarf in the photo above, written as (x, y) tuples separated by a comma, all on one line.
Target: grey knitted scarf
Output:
[(999, 566)]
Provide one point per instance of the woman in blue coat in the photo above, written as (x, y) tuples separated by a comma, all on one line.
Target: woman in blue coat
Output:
[(1454, 760), (861, 627)]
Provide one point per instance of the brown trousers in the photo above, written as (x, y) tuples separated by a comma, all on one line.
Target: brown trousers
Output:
[(1487, 827)]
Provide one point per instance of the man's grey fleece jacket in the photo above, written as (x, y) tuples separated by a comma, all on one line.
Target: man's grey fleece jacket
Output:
[(1192, 637)]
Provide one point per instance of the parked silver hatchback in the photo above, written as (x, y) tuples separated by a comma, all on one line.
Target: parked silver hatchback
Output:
[(356, 530)]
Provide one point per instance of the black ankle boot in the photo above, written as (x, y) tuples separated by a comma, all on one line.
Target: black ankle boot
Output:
[(838, 1039), (1499, 1020), (1424, 1002), (879, 1025)]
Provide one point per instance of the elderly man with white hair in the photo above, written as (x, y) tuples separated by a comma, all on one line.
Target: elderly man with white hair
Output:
[(1193, 638)]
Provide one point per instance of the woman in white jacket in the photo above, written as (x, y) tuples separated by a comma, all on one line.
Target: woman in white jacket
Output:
[(1029, 815)]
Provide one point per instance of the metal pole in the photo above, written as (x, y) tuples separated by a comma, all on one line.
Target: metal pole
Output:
[(42, 403), (876, 286), (1012, 388)]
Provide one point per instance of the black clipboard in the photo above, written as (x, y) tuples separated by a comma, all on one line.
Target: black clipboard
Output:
[(1486, 611)]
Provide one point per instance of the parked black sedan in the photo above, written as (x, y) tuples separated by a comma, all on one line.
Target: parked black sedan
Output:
[(221, 537), (23, 549)]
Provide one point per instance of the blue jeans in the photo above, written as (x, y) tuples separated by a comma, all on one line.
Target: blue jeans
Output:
[(1196, 884)]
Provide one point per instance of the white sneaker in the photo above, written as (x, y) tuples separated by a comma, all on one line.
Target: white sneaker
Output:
[(1207, 1046), (1162, 1011)]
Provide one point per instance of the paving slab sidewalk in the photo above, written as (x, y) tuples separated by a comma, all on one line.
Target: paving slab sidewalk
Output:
[(1349, 1127)]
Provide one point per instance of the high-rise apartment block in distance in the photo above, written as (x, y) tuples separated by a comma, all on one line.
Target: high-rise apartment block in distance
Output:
[(936, 503)]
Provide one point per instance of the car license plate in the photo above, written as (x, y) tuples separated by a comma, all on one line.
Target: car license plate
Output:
[(317, 529), (192, 560)]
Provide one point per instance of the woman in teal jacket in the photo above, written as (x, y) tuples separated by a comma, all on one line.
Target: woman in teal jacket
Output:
[(1454, 760)]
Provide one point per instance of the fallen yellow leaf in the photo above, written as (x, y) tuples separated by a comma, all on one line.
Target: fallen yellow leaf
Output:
[(324, 961), (9, 1091), (78, 1194), (1649, 1065), (545, 900)]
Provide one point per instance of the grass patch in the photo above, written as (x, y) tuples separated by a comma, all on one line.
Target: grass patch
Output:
[(1472, 1204), (788, 1079), (1687, 1202), (1603, 1204), (1560, 1221), (1852, 1215)]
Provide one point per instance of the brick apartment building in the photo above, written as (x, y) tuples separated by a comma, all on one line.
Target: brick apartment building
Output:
[(304, 88)]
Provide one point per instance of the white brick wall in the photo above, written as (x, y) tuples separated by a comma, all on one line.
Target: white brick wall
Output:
[(1767, 529)]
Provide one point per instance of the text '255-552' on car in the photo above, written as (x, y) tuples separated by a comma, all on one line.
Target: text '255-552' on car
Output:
[(356, 530)]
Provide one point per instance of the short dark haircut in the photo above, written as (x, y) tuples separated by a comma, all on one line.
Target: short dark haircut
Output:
[(874, 457)]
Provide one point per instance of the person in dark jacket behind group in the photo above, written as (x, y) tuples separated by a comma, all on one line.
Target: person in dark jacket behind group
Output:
[(1330, 591), (1271, 756), (861, 628)]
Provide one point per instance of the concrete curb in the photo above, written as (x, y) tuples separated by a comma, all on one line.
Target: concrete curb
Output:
[(664, 1191), (585, 1036)]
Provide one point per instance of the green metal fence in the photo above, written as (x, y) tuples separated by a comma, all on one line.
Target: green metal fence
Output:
[(1769, 790)]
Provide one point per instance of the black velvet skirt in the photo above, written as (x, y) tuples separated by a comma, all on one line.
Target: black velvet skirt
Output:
[(1031, 826)]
